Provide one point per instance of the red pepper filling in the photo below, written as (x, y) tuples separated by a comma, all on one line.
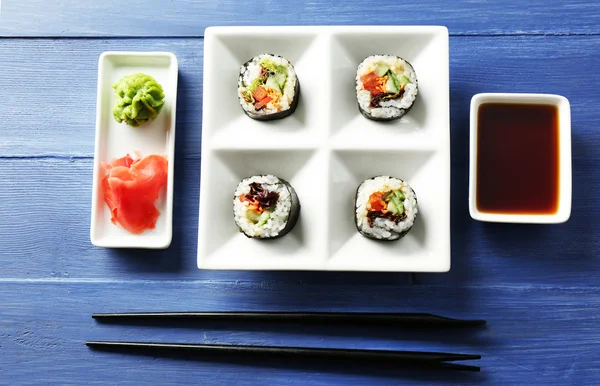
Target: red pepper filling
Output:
[(377, 207), (261, 98), (373, 83), (376, 86)]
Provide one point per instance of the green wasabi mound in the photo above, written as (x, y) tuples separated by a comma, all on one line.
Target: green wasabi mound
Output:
[(139, 99)]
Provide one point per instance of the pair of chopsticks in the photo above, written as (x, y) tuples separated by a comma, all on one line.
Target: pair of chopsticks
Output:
[(400, 358)]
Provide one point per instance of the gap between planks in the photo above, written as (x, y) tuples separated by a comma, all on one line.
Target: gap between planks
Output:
[(127, 37), (251, 282)]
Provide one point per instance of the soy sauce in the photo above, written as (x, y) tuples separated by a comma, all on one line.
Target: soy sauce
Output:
[(517, 158)]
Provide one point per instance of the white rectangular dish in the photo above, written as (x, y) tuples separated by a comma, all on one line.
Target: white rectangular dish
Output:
[(115, 140), (325, 149), (563, 211)]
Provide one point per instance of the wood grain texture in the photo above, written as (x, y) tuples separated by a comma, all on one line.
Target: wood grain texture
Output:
[(64, 72), (536, 285), (33, 69), (541, 336), (55, 243), (51, 199), (191, 17)]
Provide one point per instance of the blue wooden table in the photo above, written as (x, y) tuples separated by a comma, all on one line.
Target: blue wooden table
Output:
[(537, 285)]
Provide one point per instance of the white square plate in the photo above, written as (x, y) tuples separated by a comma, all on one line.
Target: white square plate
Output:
[(325, 149), (115, 140)]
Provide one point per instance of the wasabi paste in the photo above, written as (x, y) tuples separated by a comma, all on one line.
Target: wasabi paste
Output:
[(139, 99)]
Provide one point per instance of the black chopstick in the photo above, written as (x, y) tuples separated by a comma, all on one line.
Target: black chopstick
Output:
[(348, 318), (399, 358)]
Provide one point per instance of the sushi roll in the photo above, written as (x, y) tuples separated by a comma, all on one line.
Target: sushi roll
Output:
[(386, 87), (265, 207), (386, 208), (268, 87)]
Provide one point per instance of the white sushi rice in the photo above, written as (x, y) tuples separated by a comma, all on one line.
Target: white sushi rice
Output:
[(252, 71), (385, 228), (390, 108), (279, 217)]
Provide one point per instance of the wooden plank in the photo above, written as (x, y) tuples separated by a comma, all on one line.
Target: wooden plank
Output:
[(39, 71), (541, 336), (191, 17), (45, 234), (51, 198), (60, 186), (50, 93)]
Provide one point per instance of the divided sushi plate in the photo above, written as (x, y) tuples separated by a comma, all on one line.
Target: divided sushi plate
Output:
[(115, 140), (325, 149)]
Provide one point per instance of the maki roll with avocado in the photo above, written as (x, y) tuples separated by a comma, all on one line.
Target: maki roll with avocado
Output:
[(386, 87), (265, 207), (268, 87), (386, 208)]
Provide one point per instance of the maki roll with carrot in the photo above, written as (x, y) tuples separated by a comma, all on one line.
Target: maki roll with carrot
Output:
[(386, 208), (265, 207), (386, 87), (268, 87)]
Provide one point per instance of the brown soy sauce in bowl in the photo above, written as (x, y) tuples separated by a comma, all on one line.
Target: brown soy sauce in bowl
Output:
[(517, 158)]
